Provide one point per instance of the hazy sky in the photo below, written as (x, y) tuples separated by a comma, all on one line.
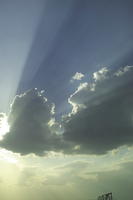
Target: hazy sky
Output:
[(66, 103)]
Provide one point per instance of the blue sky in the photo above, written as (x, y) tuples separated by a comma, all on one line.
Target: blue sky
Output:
[(47, 42), (77, 36)]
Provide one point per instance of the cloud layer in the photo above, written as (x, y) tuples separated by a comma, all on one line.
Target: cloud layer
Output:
[(101, 118), (29, 124)]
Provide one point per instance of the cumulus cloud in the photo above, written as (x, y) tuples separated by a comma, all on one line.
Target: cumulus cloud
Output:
[(122, 71), (101, 74), (77, 76), (4, 127), (103, 118), (29, 119)]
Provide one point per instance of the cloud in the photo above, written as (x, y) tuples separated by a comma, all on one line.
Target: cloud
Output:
[(4, 127), (101, 118), (77, 76), (79, 174), (102, 114), (115, 181), (101, 74), (30, 131)]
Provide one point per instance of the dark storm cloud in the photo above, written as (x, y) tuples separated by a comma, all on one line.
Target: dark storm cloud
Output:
[(29, 125), (102, 116)]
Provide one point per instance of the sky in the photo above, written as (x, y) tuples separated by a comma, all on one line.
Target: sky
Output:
[(66, 103)]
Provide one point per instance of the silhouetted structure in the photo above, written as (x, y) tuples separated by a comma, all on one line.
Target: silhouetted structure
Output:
[(107, 196)]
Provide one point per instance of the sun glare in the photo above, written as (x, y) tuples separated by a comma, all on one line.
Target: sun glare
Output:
[(8, 156), (4, 126)]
